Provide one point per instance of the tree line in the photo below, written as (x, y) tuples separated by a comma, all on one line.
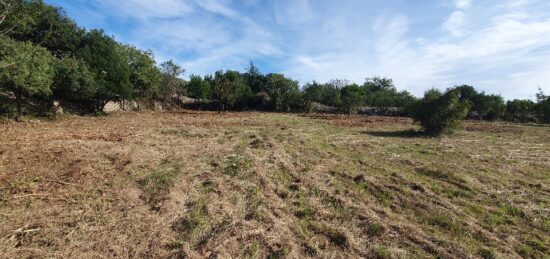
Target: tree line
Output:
[(45, 57)]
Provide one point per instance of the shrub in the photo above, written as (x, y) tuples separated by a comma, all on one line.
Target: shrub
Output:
[(520, 110), (352, 97), (439, 113), (74, 83), (381, 92), (543, 107)]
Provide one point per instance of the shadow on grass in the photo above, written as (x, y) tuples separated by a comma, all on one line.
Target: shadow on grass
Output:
[(398, 134)]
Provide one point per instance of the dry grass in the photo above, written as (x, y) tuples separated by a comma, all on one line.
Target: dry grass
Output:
[(258, 185)]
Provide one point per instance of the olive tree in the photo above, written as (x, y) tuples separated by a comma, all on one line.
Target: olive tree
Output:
[(230, 89), (284, 92), (352, 97), (74, 83), (109, 67), (313, 92), (145, 76), (25, 70), (543, 106), (171, 84), (198, 88)]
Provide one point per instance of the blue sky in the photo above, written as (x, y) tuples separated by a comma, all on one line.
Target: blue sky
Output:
[(499, 46)]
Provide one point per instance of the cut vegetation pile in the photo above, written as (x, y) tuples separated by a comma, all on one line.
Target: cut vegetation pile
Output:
[(260, 185)]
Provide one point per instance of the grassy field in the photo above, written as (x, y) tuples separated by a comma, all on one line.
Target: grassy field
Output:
[(257, 185)]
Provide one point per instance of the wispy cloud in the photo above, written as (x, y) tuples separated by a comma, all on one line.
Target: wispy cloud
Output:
[(463, 4), (503, 53), (457, 19), (455, 22), (500, 46), (147, 9), (292, 12), (216, 6)]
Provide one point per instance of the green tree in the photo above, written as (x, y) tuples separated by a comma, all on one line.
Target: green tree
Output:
[(254, 78), (230, 89), (198, 88), (375, 84), (543, 106), (439, 113), (331, 95), (313, 93), (381, 92), (352, 98), (74, 83), (109, 67), (483, 106), (145, 76), (42, 24), (519, 110), (172, 86), (466, 92), (25, 70), (284, 93), (487, 107)]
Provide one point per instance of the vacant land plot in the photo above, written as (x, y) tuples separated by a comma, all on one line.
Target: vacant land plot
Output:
[(259, 185)]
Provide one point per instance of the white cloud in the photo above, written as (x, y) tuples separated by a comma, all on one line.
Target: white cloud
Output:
[(147, 9), (455, 23), (293, 12), (507, 54), (517, 3), (463, 4), (215, 6), (181, 35), (499, 47)]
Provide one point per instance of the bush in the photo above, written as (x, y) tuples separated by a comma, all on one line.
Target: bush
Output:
[(352, 98), (381, 92), (520, 111), (198, 88), (483, 106), (74, 84), (543, 107), (439, 113)]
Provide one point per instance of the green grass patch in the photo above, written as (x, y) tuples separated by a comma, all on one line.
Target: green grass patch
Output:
[(234, 165), (156, 185), (196, 221), (513, 211), (180, 133), (335, 236), (372, 228)]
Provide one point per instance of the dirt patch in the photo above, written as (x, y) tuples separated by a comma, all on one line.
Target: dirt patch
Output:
[(357, 120), (495, 127)]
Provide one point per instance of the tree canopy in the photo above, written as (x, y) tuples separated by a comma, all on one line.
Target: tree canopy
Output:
[(107, 64), (26, 70), (44, 51)]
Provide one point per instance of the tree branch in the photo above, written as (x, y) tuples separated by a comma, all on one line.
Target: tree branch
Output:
[(6, 11)]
